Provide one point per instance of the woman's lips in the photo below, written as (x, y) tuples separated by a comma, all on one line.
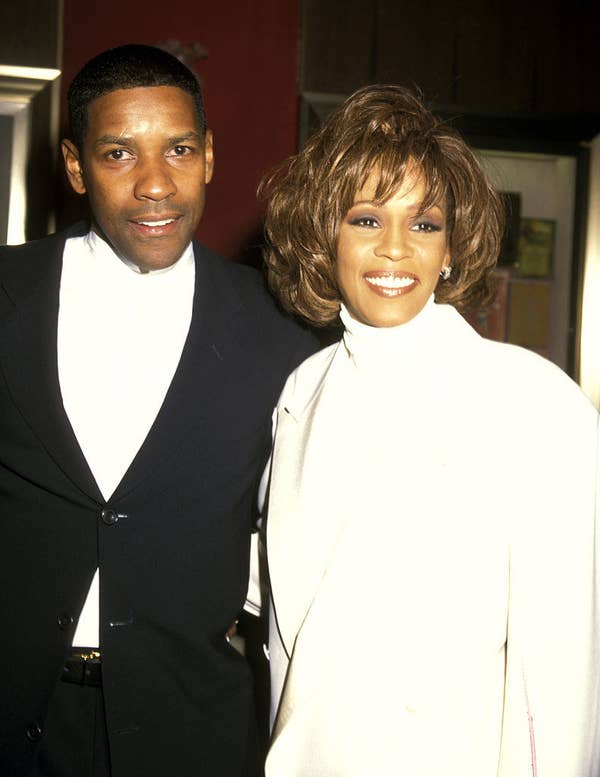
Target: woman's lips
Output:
[(391, 284)]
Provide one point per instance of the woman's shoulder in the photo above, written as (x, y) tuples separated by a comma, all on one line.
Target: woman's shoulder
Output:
[(309, 374), (531, 386), (313, 367), (498, 361), (518, 364), (507, 376)]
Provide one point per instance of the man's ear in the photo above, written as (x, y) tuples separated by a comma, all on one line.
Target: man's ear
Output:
[(209, 160), (73, 168)]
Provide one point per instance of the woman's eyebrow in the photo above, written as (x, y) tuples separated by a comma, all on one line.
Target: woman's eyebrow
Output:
[(417, 207)]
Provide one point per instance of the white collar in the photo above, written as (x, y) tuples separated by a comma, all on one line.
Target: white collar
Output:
[(370, 346), (111, 262)]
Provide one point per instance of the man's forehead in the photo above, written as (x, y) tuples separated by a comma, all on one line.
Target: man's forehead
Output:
[(144, 95), (141, 110)]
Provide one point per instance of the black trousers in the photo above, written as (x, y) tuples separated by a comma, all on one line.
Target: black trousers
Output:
[(75, 741)]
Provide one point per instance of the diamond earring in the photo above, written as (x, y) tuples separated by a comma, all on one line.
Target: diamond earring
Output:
[(445, 273)]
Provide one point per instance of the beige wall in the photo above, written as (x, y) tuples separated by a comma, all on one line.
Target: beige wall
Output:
[(546, 184)]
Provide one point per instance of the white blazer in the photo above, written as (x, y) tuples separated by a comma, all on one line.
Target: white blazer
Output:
[(450, 625)]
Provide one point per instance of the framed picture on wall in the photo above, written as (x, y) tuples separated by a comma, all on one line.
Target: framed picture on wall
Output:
[(529, 302), (536, 248)]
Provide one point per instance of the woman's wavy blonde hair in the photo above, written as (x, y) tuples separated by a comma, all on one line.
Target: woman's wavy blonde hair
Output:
[(388, 129)]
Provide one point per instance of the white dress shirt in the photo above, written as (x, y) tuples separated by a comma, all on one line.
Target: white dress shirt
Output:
[(121, 333)]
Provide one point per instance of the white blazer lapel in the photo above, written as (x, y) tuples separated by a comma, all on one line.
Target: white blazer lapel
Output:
[(302, 529)]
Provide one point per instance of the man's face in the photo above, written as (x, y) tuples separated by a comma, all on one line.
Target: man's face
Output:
[(144, 165)]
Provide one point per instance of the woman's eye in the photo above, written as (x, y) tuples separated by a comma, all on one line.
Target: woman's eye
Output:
[(364, 221), (426, 226)]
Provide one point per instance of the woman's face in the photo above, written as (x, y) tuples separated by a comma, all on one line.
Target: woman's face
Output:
[(388, 257)]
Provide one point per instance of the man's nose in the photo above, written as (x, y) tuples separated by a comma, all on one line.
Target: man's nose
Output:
[(154, 181), (394, 244)]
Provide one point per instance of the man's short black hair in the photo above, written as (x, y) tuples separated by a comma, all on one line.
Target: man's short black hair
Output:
[(127, 67)]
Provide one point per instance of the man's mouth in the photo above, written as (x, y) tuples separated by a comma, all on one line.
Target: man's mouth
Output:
[(159, 227), (160, 223)]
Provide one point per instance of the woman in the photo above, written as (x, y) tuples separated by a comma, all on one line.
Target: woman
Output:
[(432, 500)]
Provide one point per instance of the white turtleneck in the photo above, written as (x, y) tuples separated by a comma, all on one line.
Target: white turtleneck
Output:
[(431, 493), (120, 337), (373, 348)]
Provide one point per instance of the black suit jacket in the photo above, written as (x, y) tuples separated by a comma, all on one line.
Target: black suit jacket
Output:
[(172, 543)]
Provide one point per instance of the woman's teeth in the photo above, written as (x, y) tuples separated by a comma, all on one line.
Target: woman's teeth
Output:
[(390, 281)]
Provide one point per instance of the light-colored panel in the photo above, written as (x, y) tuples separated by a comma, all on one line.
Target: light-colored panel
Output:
[(15, 180), (589, 354), (20, 88)]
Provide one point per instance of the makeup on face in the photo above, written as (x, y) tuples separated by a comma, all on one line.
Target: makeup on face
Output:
[(390, 254)]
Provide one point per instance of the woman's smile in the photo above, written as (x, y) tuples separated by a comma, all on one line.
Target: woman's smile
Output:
[(390, 284)]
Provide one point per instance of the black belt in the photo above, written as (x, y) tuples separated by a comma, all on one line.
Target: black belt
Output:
[(83, 667)]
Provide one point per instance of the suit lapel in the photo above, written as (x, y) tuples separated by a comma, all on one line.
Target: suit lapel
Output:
[(29, 301), (199, 377)]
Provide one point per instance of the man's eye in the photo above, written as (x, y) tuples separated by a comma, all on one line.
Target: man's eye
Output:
[(118, 154), (180, 151)]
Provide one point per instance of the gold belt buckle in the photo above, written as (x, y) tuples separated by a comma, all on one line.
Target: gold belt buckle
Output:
[(93, 654)]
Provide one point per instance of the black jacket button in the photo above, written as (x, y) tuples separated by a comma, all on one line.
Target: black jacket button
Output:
[(109, 517), (34, 732), (64, 621)]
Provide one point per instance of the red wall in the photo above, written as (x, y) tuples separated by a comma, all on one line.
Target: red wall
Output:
[(249, 84)]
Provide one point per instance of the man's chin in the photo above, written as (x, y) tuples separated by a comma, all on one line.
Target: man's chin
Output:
[(147, 253), (157, 257), (150, 263)]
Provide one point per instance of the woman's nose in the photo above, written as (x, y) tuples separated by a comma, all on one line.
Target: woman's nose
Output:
[(394, 244)]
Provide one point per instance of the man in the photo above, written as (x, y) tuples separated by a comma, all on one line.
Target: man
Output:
[(138, 373)]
